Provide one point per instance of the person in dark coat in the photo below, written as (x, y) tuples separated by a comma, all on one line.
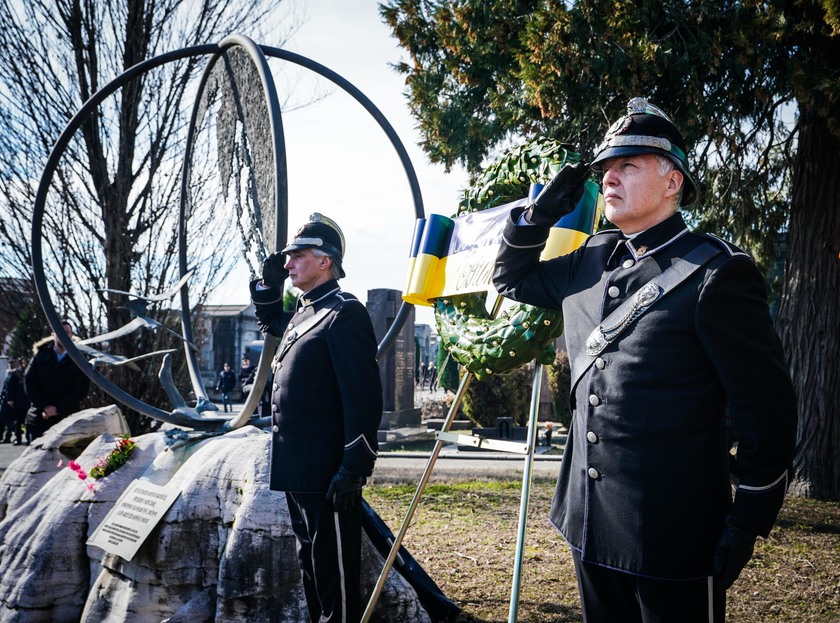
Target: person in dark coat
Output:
[(433, 377), (326, 406), (13, 403), (247, 370), (644, 496), (54, 383), (225, 384)]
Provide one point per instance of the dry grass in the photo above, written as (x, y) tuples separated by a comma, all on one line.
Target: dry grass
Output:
[(464, 536)]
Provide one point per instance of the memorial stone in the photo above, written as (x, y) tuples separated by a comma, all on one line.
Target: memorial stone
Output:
[(396, 366)]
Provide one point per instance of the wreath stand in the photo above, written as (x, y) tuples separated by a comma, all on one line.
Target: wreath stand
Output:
[(527, 449)]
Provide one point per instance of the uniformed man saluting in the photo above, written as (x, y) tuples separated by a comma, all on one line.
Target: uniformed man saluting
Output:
[(668, 332), (326, 407)]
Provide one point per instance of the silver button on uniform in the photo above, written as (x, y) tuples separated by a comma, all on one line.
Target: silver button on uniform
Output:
[(599, 363), (594, 400), (628, 263), (275, 428), (593, 473), (613, 291), (592, 437)]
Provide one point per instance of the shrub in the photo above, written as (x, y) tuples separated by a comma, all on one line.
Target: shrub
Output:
[(501, 395), (559, 379), (448, 368)]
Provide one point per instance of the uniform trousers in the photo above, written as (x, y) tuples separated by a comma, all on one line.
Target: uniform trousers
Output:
[(329, 549), (611, 596)]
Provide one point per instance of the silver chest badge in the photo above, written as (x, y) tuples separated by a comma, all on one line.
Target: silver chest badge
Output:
[(601, 337)]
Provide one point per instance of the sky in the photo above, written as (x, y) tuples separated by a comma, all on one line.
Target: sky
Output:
[(340, 161)]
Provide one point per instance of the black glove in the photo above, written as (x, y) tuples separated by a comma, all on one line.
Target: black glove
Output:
[(273, 273), (559, 196), (732, 553), (345, 489)]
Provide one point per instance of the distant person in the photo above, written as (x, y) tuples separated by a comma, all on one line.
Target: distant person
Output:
[(549, 430), (246, 376), (225, 385), (55, 385), (433, 377), (420, 373), (326, 407), (426, 375), (13, 403)]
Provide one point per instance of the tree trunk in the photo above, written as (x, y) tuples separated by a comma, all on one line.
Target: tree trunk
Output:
[(809, 315)]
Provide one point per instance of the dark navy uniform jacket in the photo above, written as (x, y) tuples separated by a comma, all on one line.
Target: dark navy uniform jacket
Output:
[(326, 395), (644, 484)]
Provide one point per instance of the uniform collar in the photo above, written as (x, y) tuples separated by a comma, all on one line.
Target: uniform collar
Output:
[(657, 237), (317, 295)]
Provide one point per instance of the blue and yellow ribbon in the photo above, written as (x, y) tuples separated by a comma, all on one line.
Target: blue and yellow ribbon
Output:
[(451, 256)]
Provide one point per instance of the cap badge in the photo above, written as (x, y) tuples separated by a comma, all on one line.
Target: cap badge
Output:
[(637, 105), (620, 126)]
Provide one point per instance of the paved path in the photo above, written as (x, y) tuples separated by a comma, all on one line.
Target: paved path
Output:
[(460, 464), (409, 466)]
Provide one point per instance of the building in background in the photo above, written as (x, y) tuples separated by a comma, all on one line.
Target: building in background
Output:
[(224, 334), (427, 343)]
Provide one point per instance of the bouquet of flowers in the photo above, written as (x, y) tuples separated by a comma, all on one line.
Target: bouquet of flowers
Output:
[(116, 459)]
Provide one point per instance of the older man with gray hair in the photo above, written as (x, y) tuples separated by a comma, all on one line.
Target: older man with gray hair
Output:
[(670, 339)]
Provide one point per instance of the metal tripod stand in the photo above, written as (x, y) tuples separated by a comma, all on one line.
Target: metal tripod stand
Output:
[(444, 435)]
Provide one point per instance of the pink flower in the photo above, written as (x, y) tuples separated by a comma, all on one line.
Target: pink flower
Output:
[(82, 474), (91, 486), (60, 463), (74, 466)]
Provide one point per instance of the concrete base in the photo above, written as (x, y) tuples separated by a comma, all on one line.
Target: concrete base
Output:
[(401, 435), (405, 418), (437, 424)]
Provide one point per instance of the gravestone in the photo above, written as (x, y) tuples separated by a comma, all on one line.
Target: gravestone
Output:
[(396, 366)]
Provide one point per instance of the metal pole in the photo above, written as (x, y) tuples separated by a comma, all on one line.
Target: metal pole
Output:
[(424, 479), (526, 491)]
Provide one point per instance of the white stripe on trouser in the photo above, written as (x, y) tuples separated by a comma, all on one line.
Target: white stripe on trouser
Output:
[(711, 594), (340, 555)]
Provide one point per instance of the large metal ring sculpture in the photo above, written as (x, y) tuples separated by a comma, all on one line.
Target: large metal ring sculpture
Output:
[(197, 417)]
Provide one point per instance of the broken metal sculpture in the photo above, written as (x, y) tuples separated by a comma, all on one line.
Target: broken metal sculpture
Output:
[(237, 85)]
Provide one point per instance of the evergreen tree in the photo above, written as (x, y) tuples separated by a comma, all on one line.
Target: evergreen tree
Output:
[(31, 327), (753, 87)]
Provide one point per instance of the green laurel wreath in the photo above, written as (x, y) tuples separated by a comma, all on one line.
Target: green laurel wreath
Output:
[(522, 333)]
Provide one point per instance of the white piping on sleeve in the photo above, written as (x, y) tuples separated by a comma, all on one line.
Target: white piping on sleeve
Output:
[(362, 439), (782, 478)]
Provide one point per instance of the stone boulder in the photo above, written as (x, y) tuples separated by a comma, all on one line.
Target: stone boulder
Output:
[(223, 552)]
